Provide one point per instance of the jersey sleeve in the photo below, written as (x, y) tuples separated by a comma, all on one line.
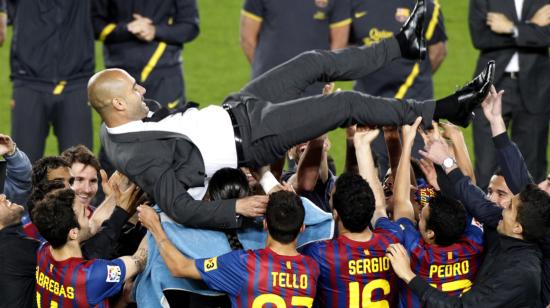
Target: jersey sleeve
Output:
[(474, 231), (341, 13), (384, 223), (435, 30), (254, 9), (104, 279), (411, 235), (226, 273)]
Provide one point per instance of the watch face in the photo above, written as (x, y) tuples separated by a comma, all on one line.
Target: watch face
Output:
[(448, 162)]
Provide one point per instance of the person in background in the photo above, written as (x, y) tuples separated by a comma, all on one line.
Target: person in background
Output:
[(17, 184)]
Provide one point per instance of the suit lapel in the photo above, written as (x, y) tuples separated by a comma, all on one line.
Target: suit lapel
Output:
[(526, 10), (510, 10)]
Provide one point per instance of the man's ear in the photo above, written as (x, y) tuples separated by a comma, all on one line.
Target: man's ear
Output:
[(518, 229), (118, 104), (302, 228), (334, 215), (265, 224), (73, 233), (430, 234)]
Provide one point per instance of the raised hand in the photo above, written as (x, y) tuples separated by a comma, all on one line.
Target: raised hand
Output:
[(252, 206), (451, 131), (430, 174), (127, 199), (148, 217), (116, 178), (409, 131), (436, 150), (492, 105), (328, 88), (7, 146), (365, 135)]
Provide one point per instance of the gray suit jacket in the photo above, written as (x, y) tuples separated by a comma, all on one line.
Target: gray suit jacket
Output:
[(165, 165), (532, 44)]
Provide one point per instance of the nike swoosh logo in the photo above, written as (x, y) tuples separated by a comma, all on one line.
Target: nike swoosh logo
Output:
[(173, 104), (360, 14)]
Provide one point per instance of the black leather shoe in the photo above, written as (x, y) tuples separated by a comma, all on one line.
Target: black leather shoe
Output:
[(472, 94), (411, 37)]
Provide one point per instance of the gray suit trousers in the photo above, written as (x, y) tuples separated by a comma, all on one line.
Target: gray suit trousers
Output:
[(271, 120)]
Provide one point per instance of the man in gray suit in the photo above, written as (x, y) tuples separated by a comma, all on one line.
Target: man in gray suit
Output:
[(172, 157), (516, 34)]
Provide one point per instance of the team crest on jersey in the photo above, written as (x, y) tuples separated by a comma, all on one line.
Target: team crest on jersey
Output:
[(321, 3), (113, 273), (401, 14), (211, 264)]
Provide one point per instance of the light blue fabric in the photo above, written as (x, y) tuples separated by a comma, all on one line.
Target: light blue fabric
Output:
[(17, 186), (200, 243)]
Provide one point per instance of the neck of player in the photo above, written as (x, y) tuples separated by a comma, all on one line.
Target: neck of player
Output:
[(282, 249), (70, 250)]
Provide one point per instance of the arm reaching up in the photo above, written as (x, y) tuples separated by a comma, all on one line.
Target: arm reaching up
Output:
[(403, 207), (362, 140), (177, 263), (454, 134)]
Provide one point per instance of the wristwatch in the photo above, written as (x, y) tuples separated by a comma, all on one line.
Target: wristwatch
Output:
[(448, 163)]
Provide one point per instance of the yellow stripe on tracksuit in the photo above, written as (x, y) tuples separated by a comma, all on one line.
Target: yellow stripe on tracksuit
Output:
[(408, 82), (342, 23), (416, 68), (433, 22), (251, 16), (59, 87), (106, 31), (153, 61)]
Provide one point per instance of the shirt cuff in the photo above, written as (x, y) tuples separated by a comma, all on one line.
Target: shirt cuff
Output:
[(419, 286), (15, 156), (501, 141)]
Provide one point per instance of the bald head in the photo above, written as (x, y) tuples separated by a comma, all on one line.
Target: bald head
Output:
[(114, 94), (106, 85)]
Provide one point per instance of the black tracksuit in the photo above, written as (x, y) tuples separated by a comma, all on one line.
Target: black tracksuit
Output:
[(175, 21), (52, 58)]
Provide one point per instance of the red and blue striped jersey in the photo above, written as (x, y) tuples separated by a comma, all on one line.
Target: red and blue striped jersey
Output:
[(356, 274), (262, 278), (76, 282), (451, 269)]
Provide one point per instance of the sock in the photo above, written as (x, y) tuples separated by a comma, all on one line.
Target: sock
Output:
[(402, 41), (446, 107)]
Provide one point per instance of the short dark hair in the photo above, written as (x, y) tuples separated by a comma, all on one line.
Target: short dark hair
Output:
[(354, 202), (534, 213), (228, 183), (81, 154), (284, 216), (40, 191), (41, 167), (447, 219), (54, 216)]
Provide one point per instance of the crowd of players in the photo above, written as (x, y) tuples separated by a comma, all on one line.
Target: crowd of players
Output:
[(426, 236)]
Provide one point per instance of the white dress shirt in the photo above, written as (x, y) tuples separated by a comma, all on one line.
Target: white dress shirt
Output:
[(513, 65), (210, 129)]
